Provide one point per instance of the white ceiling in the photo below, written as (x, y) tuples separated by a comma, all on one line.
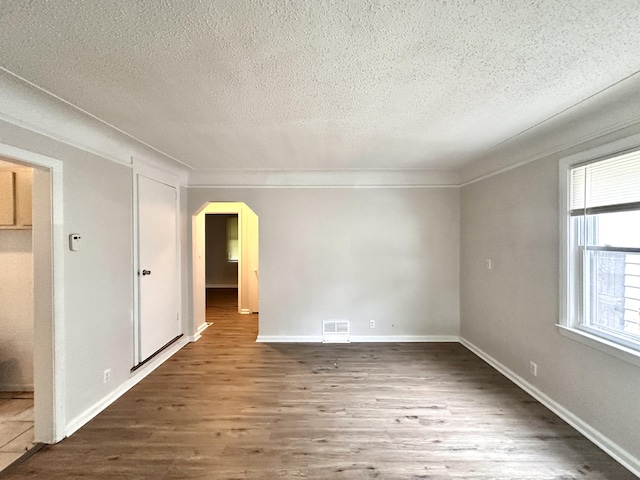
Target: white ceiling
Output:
[(319, 84)]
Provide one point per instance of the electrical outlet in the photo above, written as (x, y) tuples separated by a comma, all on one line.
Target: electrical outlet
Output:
[(372, 324), (533, 369), (106, 376)]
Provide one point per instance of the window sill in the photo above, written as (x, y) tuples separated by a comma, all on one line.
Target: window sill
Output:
[(623, 353)]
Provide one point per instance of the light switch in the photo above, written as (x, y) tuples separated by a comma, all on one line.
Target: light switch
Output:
[(75, 240)]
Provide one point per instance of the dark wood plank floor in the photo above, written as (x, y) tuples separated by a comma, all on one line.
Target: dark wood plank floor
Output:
[(228, 408)]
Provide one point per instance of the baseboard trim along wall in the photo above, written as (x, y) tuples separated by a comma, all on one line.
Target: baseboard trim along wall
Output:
[(622, 456), (289, 339), (404, 338), (359, 338), (198, 334), (86, 416)]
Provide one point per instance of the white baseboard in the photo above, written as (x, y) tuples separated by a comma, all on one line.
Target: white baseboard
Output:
[(82, 419), (16, 387), (336, 338), (198, 334), (359, 338), (289, 339), (222, 285), (404, 338), (621, 455)]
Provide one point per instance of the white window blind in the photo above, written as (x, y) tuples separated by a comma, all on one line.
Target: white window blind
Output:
[(606, 186)]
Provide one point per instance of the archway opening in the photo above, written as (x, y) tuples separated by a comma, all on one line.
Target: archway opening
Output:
[(242, 254)]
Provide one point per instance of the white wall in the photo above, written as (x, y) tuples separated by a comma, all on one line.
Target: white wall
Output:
[(16, 310), (98, 279), (510, 312), (219, 271), (388, 254)]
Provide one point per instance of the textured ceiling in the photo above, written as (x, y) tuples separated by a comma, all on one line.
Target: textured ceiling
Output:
[(311, 84)]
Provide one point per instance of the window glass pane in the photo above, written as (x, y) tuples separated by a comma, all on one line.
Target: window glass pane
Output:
[(613, 295), (611, 277), (618, 229), (232, 239)]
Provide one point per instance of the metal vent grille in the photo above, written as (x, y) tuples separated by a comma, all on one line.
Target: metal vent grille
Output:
[(335, 331)]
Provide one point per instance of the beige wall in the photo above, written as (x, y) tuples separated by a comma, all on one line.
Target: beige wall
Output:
[(510, 312)]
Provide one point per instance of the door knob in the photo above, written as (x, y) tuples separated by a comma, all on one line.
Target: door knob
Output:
[(146, 272)]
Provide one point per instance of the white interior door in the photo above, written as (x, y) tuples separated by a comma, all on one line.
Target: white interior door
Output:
[(159, 321)]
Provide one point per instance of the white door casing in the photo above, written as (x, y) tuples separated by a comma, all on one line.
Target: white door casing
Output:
[(158, 318), (48, 250)]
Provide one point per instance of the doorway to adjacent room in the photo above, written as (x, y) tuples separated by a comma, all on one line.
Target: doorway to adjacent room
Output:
[(225, 259)]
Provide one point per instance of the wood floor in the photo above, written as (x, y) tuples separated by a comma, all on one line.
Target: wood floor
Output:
[(228, 408)]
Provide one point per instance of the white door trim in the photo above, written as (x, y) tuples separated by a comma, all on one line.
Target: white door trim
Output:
[(49, 381)]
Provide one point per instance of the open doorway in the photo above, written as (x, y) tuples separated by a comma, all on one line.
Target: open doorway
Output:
[(16, 312), (47, 250), (221, 262), (225, 260)]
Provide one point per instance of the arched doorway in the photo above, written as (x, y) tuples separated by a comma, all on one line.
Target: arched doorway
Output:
[(247, 259)]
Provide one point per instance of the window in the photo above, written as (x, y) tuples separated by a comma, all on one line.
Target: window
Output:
[(232, 239), (603, 250)]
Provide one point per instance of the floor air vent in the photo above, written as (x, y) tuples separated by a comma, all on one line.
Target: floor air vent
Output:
[(335, 331)]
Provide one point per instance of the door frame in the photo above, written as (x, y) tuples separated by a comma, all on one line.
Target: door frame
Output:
[(150, 171), (48, 251)]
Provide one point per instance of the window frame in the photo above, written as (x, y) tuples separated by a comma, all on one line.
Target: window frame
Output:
[(570, 298)]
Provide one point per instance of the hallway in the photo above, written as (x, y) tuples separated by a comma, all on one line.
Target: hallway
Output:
[(226, 407)]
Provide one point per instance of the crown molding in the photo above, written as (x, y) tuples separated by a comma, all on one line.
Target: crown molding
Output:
[(607, 116), (380, 178), (30, 107)]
